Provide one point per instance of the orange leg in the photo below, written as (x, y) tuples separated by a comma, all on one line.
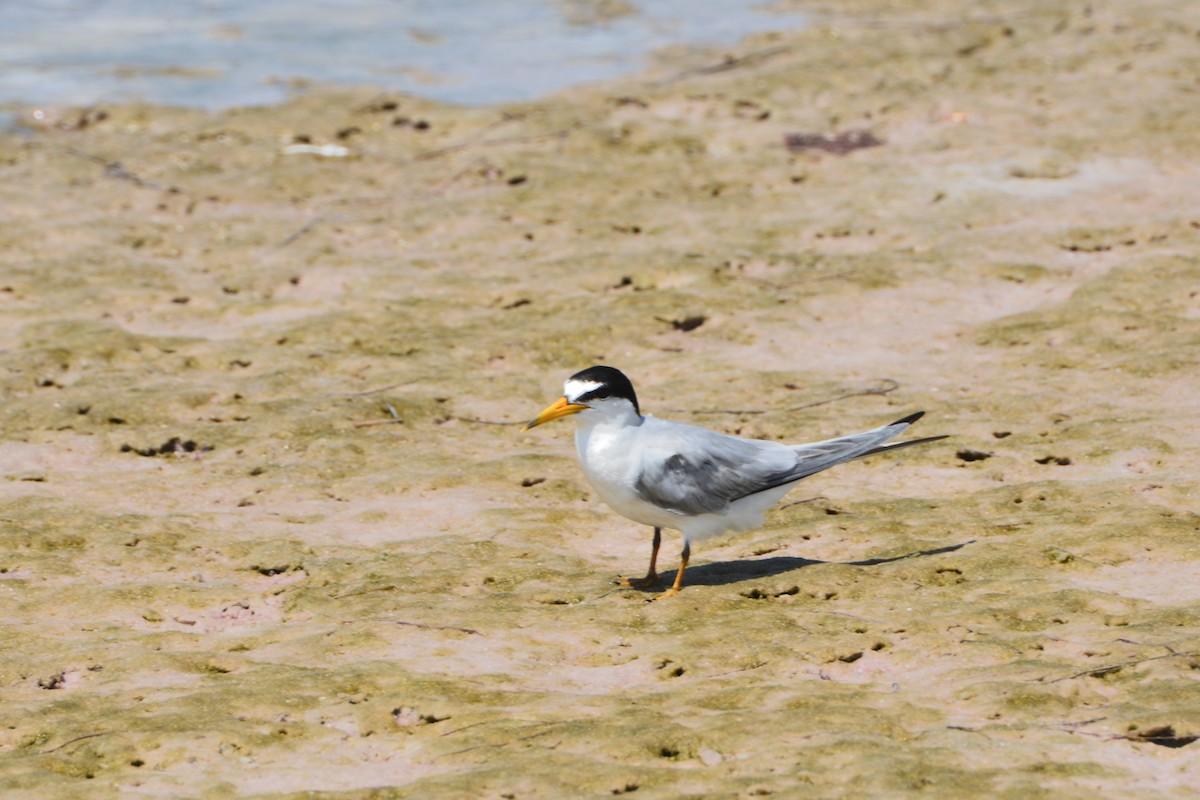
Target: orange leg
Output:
[(683, 562), (651, 574)]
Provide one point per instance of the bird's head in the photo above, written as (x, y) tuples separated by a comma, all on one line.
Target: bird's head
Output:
[(598, 390)]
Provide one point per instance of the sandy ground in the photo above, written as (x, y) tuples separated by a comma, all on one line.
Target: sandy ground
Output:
[(267, 526)]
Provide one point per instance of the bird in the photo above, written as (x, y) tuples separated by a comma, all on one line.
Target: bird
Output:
[(683, 477)]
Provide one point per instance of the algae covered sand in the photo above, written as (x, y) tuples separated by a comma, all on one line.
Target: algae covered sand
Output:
[(267, 526)]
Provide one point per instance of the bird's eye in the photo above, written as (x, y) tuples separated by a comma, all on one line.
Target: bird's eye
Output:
[(594, 394)]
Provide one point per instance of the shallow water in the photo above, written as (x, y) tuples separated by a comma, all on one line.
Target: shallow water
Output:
[(221, 54)]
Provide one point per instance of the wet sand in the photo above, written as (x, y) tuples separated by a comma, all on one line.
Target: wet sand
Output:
[(268, 525)]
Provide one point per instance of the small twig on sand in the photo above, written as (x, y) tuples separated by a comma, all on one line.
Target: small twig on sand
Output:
[(76, 739), (475, 139), (372, 422), (114, 169), (390, 587), (781, 285), (501, 744), (729, 63), (887, 386), (475, 164), (805, 500), (478, 141), (434, 627), (467, 727), (1097, 671), (409, 624), (1081, 723), (477, 421), (753, 666), (395, 420), (387, 388), (305, 228)]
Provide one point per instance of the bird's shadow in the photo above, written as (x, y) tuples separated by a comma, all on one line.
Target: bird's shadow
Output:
[(725, 572)]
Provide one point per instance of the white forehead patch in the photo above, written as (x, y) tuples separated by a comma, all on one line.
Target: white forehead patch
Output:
[(574, 389)]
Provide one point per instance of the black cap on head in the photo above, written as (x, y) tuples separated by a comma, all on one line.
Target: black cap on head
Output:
[(608, 382)]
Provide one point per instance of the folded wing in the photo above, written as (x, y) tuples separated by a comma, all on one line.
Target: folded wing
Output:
[(692, 471)]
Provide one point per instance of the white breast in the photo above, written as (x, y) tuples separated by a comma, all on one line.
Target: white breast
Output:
[(608, 456)]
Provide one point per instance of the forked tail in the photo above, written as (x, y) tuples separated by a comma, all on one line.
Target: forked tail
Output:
[(909, 420)]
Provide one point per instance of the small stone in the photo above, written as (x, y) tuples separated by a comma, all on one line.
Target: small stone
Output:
[(406, 717)]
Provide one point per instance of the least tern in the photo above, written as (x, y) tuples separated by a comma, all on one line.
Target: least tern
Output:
[(699, 482)]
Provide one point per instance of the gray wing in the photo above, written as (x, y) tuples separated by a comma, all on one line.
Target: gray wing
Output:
[(692, 470), (707, 471)]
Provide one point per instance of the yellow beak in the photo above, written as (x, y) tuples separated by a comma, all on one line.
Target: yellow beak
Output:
[(561, 408)]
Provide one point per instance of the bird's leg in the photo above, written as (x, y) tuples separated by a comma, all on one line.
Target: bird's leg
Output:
[(683, 562), (651, 574)]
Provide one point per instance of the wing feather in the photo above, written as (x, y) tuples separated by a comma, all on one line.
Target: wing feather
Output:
[(690, 470)]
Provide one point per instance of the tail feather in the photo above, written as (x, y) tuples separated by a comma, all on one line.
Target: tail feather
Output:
[(899, 445), (909, 420), (905, 421), (818, 456)]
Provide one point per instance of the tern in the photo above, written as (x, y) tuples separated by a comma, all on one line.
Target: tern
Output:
[(690, 479)]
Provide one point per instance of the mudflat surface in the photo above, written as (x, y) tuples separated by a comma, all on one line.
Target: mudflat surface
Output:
[(266, 526)]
